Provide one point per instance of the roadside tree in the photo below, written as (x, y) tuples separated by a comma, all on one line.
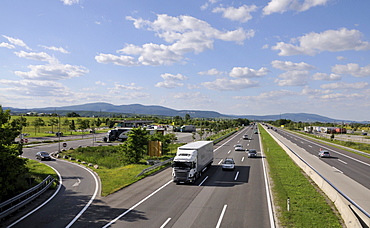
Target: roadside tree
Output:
[(12, 166)]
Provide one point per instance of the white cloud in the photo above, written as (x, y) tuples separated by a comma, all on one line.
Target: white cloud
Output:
[(59, 49), (169, 84), (242, 14), (100, 83), (40, 56), (34, 87), (209, 2), (131, 86), (325, 76), (287, 65), (185, 34), (225, 84), (171, 81), (117, 60), (330, 40), (17, 42), (173, 77), (341, 96), (352, 69), (292, 78), (245, 72), (70, 2), (52, 72), (212, 71), (281, 6), (267, 96), (341, 58), (7, 45), (342, 85)]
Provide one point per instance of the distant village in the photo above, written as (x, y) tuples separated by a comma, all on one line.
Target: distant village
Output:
[(328, 130)]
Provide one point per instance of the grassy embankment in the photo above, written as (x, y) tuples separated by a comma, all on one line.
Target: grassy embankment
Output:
[(309, 207)]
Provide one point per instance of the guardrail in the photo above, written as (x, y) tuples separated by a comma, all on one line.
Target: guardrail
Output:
[(154, 166), (11, 205), (350, 211)]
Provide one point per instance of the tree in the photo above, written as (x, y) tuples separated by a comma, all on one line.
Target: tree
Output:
[(12, 166), (134, 147), (37, 123), (53, 122)]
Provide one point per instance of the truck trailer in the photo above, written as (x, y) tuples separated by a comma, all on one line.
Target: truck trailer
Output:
[(191, 160)]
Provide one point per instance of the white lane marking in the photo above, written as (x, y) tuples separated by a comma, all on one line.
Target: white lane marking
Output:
[(91, 199), (268, 196), (203, 181), (229, 152), (236, 176), (137, 204), (220, 161), (342, 161), (50, 198), (310, 146), (221, 216), (77, 183), (242, 159), (165, 223), (337, 170), (327, 148)]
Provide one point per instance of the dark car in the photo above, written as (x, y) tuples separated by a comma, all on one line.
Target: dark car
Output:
[(42, 155), (252, 153)]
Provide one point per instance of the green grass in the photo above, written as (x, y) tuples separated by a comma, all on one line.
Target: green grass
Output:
[(40, 171), (309, 207)]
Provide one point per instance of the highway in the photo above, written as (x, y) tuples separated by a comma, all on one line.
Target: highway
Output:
[(219, 198), (353, 165)]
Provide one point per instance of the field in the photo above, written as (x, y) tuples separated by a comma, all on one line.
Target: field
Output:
[(51, 126)]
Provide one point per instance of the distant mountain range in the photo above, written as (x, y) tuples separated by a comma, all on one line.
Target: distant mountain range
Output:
[(106, 110)]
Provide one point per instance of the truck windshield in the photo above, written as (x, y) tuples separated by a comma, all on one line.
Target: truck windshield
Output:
[(182, 164)]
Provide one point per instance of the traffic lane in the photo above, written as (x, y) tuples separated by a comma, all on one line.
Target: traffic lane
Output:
[(241, 190), (346, 185), (353, 165), (78, 187)]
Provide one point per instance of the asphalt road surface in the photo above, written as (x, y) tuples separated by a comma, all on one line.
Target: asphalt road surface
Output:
[(237, 198)]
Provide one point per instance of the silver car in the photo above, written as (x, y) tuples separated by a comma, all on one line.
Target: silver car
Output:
[(228, 164), (324, 154)]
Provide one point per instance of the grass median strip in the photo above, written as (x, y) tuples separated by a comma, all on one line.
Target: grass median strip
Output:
[(308, 206)]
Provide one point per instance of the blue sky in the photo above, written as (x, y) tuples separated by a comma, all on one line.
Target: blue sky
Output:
[(233, 57)]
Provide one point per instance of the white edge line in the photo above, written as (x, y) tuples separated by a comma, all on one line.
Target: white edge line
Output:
[(165, 223), (90, 201), (203, 181), (50, 198), (137, 204), (272, 223), (221, 216)]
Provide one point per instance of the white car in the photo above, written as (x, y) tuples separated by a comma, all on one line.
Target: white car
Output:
[(228, 164), (245, 136), (238, 147), (324, 154)]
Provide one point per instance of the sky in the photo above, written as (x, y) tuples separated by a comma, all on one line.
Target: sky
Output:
[(264, 57)]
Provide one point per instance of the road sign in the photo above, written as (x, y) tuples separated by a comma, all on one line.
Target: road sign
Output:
[(64, 144)]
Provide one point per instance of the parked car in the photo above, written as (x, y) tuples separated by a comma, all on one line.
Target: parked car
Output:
[(252, 153), (324, 154), (245, 136), (255, 132), (42, 155), (238, 147), (228, 164)]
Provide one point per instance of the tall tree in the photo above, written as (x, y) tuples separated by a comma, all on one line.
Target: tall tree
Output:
[(134, 147), (12, 166)]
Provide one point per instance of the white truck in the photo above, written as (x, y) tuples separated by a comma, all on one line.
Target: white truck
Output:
[(191, 160)]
